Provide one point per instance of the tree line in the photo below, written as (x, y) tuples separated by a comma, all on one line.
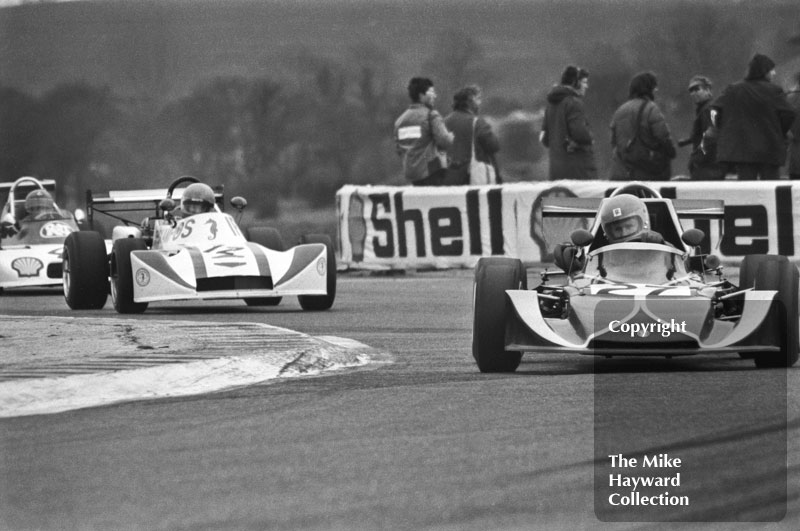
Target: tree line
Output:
[(330, 122)]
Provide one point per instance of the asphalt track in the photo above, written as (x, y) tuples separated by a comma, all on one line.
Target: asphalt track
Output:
[(420, 440)]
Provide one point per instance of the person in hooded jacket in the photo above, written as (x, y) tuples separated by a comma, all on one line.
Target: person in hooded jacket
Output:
[(565, 129), (753, 117)]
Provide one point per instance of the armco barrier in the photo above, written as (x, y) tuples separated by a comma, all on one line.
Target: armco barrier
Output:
[(391, 227)]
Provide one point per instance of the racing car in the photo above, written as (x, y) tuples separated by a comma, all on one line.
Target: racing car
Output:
[(655, 295), (31, 243), (171, 256)]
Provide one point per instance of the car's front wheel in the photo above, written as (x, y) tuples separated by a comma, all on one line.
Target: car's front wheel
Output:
[(122, 275), (85, 271), (321, 302), (775, 272), (491, 309)]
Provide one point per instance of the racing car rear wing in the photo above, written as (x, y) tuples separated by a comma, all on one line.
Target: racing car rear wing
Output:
[(587, 207), (115, 203)]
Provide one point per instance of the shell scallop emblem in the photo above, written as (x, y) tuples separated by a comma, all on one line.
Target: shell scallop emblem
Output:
[(27, 266), (142, 277)]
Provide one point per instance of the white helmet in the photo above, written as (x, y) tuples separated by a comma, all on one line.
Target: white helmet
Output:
[(624, 217)]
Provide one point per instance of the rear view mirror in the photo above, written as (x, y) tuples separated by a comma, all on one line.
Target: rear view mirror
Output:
[(693, 237), (581, 237), (167, 204), (238, 202)]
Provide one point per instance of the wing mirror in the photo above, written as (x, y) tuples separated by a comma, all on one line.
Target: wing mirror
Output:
[(238, 202), (167, 204), (581, 237), (693, 237)]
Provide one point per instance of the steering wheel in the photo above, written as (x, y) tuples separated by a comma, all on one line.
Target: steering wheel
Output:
[(180, 180), (639, 190)]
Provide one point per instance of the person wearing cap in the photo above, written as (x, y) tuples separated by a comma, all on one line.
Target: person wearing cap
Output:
[(703, 165), (565, 129), (753, 117)]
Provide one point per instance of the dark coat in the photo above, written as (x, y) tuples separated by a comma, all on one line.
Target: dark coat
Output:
[(566, 134), (753, 119), (703, 165), (459, 153), (653, 130), (794, 146)]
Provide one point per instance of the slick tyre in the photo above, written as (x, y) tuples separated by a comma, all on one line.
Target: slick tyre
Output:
[(491, 310), (321, 302), (85, 271), (774, 272), (122, 275), (270, 238)]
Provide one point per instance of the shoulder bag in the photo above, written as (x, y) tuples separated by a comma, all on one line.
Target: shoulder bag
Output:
[(641, 156)]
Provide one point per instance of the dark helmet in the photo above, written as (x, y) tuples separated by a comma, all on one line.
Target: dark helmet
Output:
[(624, 217), (38, 202), (197, 198)]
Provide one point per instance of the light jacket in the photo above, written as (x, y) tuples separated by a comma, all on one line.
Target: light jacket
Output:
[(420, 136)]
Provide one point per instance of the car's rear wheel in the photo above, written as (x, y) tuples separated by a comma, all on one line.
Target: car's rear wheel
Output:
[(270, 238), (491, 309), (122, 275), (321, 302), (775, 272), (85, 271)]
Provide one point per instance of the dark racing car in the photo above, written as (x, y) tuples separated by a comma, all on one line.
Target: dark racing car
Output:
[(635, 285)]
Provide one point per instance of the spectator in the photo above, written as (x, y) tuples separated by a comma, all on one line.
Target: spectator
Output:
[(640, 138), (565, 129), (794, 146), (463, 122), (753, 117), (421, 136), (703, 165)]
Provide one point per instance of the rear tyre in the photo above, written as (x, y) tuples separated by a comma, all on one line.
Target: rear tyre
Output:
[(321, 302), (775, 272), (85, 271), (122, 275), (270, 238), (491, 310)]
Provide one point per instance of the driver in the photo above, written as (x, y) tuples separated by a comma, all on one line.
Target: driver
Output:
[(624, 218), (197, 199), (39, 205)]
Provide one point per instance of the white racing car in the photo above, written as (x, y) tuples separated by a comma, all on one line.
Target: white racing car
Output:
[(165, 257), (31, 242)]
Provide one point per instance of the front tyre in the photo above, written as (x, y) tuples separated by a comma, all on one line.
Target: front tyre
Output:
[(491, 310), (85, 271), (321, 302), (122, 275), (775, 272)]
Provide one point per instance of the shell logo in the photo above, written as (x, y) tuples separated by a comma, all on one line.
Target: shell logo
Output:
[(27, 266), (55, 229)]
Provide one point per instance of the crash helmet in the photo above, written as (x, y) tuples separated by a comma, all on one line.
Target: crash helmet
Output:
[(39, 202), (624, 217), (197, 198)]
